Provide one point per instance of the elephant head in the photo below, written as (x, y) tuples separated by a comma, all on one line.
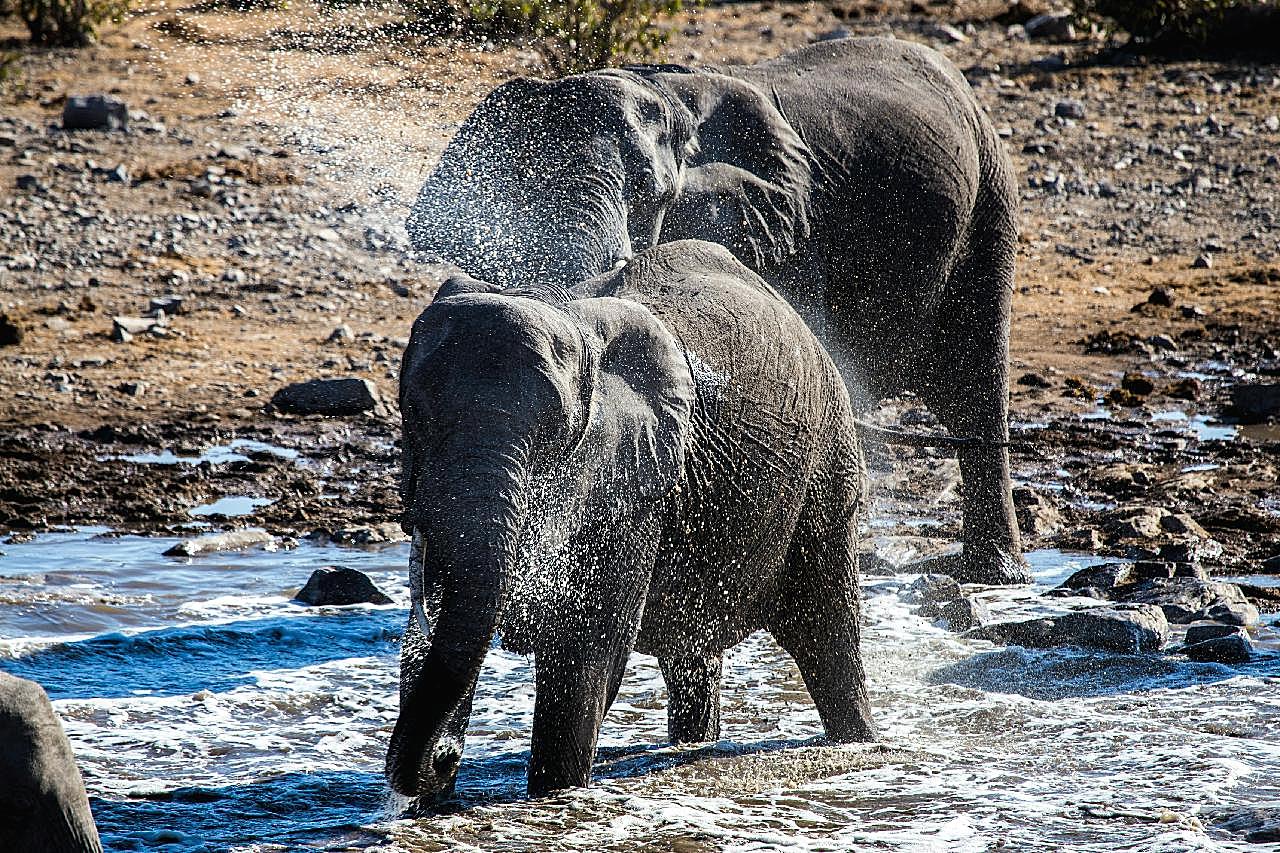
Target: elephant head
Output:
[(43, 805), (559, 181), (525, 418)]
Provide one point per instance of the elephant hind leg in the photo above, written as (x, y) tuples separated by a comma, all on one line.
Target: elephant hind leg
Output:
[(815, 616), (693, 697)]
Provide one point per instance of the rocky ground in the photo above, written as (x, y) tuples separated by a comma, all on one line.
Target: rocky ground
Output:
[(269, 159)]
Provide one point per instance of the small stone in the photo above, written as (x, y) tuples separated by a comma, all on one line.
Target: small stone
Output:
[(1071, 108), (961, 613), (132, 389), (11, 334), (1161, 297), (346, 396), (1185, 389), (1203, 262), (341, 335), (1052, 25), (232, 541), (135, 325), (1234, 648), (1034, 380), (168, 305), (94, 112), (118, 175), (835, 34), (1037, 514), (1098, 581), (932, 589), (29, 183), (1163, 342), (234, 152), (192, 78), (1137, 384), (945, 32), (1135, 523), (334, 585)]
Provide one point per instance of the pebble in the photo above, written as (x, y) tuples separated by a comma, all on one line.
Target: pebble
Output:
[(1071, 108)]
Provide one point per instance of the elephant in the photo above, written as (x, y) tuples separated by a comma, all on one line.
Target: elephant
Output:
[(43, 805), (858, 176), (661, 459)]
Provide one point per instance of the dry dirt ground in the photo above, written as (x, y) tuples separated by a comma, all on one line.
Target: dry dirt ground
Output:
[(271, 157)]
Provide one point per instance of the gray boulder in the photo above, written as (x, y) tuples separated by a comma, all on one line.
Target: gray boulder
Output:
[(1127, 629), (1030, 634), (345, 396), (233, 540), (332, 585), (1209, 631), (1183, 600), (94, 112), (1233, 648)]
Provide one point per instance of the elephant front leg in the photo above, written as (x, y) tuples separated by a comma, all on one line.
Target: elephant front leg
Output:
[(573, 693), (693, 697)]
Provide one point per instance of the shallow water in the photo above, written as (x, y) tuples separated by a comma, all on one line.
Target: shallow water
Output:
[(208, 712)]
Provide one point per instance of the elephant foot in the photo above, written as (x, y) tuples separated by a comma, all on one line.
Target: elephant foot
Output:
[(986, 566)]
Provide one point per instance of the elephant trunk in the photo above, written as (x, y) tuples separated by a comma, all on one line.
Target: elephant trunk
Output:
[(466, 538)]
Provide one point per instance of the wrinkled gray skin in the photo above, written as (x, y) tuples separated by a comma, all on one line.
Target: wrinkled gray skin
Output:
[(43, 805), (665, 462), (859, 177)]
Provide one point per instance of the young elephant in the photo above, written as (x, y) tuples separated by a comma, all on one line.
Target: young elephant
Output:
[(662, 459)]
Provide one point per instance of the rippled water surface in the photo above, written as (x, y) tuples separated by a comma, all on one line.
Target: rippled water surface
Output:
[(208, 712)]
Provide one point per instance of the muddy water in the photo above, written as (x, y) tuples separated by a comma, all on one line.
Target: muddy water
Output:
[(210, 713)]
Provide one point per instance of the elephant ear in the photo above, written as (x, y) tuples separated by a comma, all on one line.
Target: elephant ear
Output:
[(641, 400), (748, 185)]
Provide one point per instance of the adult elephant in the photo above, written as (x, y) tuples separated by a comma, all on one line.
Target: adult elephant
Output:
[(859, 177), (662, 459), (43, 805)]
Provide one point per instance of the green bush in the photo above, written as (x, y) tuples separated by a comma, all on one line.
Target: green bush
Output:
[(68, 23), (1187, 21), (571, 35)]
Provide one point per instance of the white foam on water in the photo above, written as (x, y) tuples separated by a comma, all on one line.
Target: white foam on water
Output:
[(989, 747)]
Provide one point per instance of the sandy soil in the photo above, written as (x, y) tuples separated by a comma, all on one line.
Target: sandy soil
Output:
[(271, 157)]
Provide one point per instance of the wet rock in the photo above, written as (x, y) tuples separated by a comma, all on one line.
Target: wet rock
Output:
[(376, 534), (11, 333), (1071, 108), (1037, 514), (94, 112), (1271, 565), (234, 540), (1030, 634), (1077, 386), (1185, 389), (1134, 523), (1122, 398), (1254, 826), (961, 613), (1234, 613), (1233, 648), (1183, 600), (1142, 570), (1055, 26), (1255, 403), (1183, 524), (1192, 551), (1097, 581), (1137, 384), (933, 589), (345, 396), (1132, 629), (335, 585), (1210, 631)]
